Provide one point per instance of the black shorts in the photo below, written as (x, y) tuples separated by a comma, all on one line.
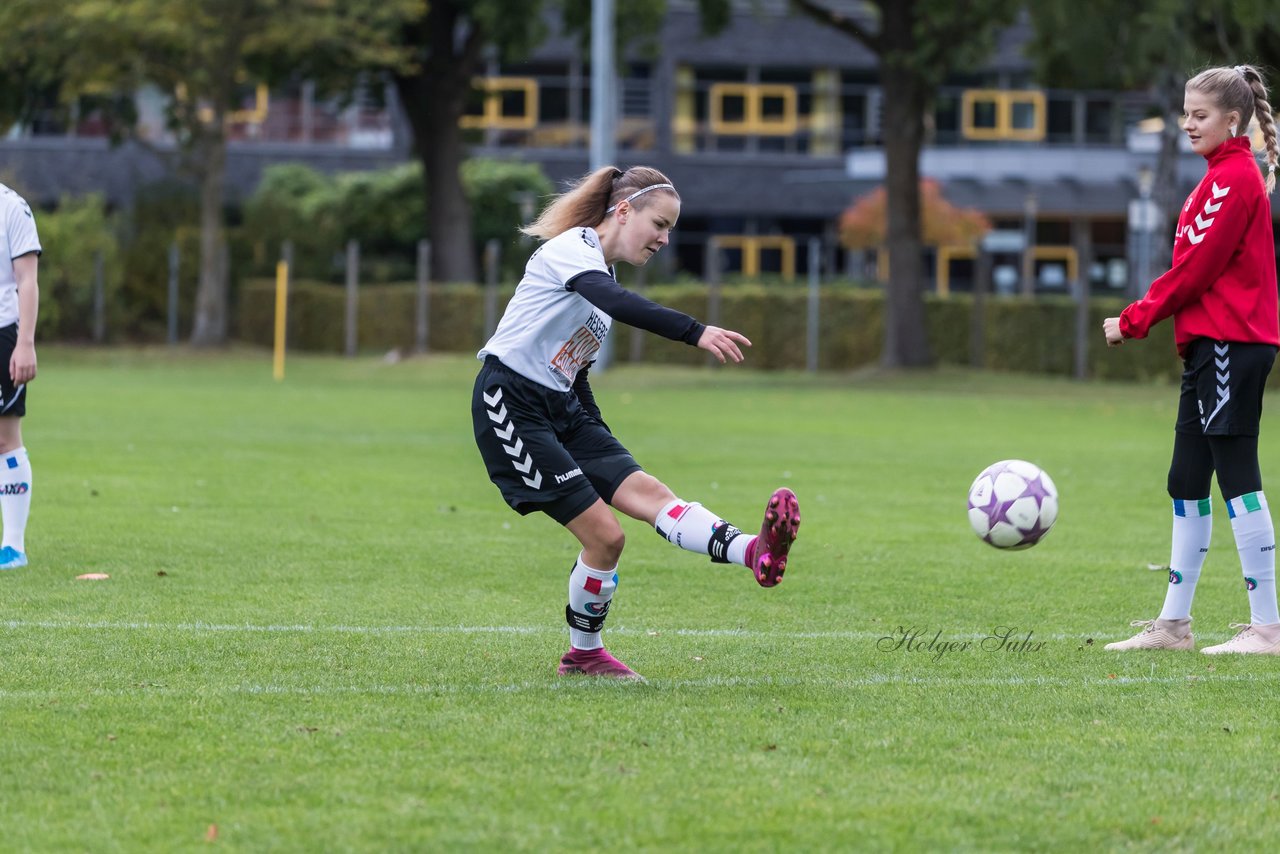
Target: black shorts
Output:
[(1222, 383), (543, 451), (13, 399)]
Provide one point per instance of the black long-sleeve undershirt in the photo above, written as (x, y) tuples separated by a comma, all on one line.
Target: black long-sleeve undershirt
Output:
[(586, 396), (604, 292)]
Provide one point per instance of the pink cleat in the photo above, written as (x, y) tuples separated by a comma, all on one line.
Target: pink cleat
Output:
[(595, 662), (767, 554)]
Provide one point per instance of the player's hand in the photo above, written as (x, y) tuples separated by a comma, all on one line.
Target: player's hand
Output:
[(1111, 329), (22, 366), (723, 343)]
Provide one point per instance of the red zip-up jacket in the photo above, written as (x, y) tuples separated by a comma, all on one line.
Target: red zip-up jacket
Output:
[(1223, 281)]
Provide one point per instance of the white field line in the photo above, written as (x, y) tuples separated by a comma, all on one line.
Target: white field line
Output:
[(926, 633), (853, 683), (575, 684)]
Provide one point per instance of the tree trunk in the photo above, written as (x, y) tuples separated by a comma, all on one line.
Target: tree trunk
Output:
[(437, 142), (906, 340), (210, 328), (433, 98), (1165, 190)]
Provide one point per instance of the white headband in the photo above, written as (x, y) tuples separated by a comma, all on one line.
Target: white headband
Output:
[(639, 193), (1239, 69)]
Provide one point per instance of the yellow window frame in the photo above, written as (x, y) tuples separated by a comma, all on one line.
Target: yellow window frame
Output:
[(1058, 253), (946, 254), (255, 116), (753, 96), (493, 118), (750, 245), (1004, 99), (949, 253)]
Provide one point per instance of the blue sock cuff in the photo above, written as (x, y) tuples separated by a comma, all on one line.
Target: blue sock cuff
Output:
[(1248, 503), (1192, 507)]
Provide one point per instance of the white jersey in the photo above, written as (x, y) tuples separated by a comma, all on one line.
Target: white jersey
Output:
[(548, 332), (17, 238)]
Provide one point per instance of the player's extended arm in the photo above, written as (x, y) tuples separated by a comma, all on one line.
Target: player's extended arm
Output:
[(604, 292)]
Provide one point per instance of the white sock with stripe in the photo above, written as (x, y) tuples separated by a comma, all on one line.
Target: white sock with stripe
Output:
[(15, 497), (1256, 543), (695, 528), (590, 592), (1192, 529)]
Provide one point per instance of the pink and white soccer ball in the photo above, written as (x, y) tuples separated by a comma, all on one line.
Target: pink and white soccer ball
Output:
[(1012, 504)]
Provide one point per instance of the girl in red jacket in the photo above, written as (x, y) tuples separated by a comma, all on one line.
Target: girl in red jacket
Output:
[(1221, 293)]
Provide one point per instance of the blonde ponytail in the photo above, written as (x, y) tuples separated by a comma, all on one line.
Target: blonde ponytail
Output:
[(1266, 122), (588, 200)]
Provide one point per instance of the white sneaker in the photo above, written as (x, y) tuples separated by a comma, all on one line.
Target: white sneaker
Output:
[(1260, 640), (1158, 634)]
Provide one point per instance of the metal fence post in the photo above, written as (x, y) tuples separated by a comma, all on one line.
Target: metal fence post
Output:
[(224, 282), (978, 322), (174, 260), (811, 340), (492, 254), (351, 321), (1084, 260), (712, 273), (637, 335), (422, 313), (99, 300)]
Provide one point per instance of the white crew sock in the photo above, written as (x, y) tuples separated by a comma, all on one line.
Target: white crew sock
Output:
[(695, 528), (15, 497), (1192, 529), (590, 592), (1256, 544)]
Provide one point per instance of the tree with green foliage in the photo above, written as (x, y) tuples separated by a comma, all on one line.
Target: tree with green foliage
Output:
[(450, 44), (918, 43), (384, 210), (198, 54), (74, 237)]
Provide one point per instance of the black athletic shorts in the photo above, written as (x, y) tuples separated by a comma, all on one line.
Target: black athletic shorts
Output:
[(13, 399), (1222, 383), (543, 451)]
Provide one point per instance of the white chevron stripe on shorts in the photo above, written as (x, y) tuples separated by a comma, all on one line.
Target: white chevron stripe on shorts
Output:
[(504, 428), (1222, 366)]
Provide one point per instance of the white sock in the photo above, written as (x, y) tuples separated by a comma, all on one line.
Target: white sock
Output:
[(15, 497), (590, 592), (1192, 529), (695, 528), (1256, 543)]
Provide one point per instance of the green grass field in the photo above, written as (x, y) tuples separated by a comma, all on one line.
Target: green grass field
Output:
[(324, 631)]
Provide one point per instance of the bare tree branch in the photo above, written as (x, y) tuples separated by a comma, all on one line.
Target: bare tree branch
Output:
[(1220, 29), (828, 17)]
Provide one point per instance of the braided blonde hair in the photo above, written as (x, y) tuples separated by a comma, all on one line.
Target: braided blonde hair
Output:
[(588, 200), (1243, 89)]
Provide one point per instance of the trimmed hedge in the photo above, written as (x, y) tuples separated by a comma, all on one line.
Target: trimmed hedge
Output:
[(1021, 335)]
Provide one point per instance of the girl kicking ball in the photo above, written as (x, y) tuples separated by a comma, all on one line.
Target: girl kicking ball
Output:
[(540, 431)]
